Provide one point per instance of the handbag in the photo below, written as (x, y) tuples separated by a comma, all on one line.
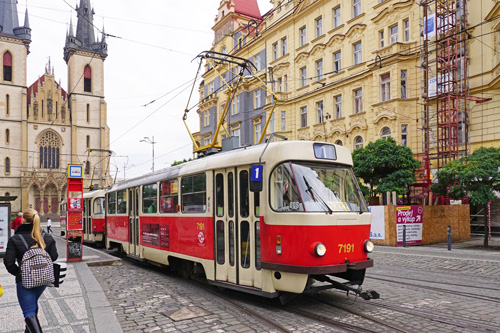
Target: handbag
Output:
[(59, 273)]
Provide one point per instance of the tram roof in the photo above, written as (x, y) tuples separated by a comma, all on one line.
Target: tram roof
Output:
[(276, 152)]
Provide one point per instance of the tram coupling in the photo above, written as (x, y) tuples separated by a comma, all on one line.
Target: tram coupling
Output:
[(364, 294)]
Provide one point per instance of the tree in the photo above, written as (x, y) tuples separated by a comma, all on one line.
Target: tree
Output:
[(385, 166), (476, 176), (180, 162)]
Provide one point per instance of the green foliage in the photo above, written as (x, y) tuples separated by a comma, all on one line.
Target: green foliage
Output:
[(385, 166), (476, 175), (180, 162)]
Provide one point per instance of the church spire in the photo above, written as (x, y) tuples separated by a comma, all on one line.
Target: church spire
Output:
[(84, 39), (9, 21)]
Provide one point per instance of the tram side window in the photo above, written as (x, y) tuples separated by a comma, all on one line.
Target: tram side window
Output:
[(245, 244), (194, 193), (244, 194), (257, 246), (169, 196), (99, 206), (112, 203), (219, 194), (256, 203), (149, 198), (220, 243), (122, 202), (231, 243)]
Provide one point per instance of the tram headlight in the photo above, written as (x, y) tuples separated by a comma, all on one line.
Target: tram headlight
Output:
[(320, 249), (369, 246)]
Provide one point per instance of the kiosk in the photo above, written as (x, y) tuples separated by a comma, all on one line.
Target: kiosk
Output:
[(74, 222)]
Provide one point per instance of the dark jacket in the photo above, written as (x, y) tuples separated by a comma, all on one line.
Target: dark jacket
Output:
[(16, 249)]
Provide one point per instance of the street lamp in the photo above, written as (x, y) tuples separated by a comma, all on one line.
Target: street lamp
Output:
[(152, 142)]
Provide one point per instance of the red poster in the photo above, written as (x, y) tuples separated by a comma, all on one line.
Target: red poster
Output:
[(156, 235), (75, 221)]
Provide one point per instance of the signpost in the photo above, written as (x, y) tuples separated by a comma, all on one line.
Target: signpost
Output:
[(74, 222)]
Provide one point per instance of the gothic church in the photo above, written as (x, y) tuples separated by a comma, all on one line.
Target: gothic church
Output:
[(43, 127)]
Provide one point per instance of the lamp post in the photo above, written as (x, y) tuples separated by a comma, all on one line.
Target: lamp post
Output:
[(152, 142)]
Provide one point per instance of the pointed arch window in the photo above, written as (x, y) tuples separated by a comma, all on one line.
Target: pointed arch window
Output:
[(7, 165), (7, 66), (7, 104), (87, 79), (49, 148), (7, 136)]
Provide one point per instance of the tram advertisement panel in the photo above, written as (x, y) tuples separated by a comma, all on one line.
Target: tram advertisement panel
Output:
[(156, 235), (412, 218)]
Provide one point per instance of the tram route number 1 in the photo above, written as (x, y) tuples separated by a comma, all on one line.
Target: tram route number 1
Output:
[(346, 248)]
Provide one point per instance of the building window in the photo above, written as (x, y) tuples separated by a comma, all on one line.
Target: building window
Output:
[(284, 49), (339, 142), (236, 133), (258, 132), (337, 62), (302, 36), (87, 168), (7, 66), (7, 136), (385, 87), (87, 79), (211, 88), (7, 165), (88, 112), (358, 142), (285, 80), (404, 135), (338, 106), (319, 69), (275, 51), (7, 104), (49, 148), (336, 17), (283, 121), (270, 127), (237, 107), (206, 116), (394, 34), (258, 62), (319, 27), (358, 100), (319, 112), (303, 76), (356, 8), (257, 98), (404, 84), (357, 53), (88, 141), (406, 25), (280, 84), (303, 116), (381, 38), (385, 133)]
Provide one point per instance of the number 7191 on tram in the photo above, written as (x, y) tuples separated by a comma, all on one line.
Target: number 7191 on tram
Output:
[(271, 219)]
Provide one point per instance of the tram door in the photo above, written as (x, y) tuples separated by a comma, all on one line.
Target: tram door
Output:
[(236, 227), (87, 219), (225, 225), (133, 217), (248, 231)]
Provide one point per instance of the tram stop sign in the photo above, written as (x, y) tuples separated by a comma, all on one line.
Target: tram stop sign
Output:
[(256, 177)]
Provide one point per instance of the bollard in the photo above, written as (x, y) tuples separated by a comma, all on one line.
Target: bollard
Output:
[(404, 235), (449, 238)]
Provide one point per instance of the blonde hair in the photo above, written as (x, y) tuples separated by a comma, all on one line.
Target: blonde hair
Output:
[(30, 216), (20, 214)]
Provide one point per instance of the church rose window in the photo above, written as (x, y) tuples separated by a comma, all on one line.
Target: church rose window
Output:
[(49, 146)]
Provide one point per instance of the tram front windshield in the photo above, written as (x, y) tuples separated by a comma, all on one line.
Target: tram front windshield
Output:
[(307, 187)]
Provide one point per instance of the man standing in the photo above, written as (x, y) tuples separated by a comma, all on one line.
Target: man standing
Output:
[(17, 221), (49, 225)]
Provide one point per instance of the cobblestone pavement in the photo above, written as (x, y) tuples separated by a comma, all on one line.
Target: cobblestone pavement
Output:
[(423, 289)]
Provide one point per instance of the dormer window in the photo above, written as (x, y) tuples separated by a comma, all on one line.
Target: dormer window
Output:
[(87, 79), (7, 66)]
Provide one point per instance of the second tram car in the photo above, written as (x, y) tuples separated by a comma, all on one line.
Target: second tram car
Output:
[(94, 223), (309, 223)]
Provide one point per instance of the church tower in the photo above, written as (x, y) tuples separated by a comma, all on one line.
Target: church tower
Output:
[(14, 48), (85, 55)]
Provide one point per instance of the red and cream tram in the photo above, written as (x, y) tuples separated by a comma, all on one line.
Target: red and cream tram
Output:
[(305, 221)]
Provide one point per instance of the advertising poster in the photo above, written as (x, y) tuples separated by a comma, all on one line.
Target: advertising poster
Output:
[(377, 230), (156, 235), (75, 221), (412, 218), (4, 227)]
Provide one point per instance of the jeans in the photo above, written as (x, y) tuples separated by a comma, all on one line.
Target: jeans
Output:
[(28, 298)]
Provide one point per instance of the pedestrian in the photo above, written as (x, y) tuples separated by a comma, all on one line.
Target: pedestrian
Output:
[(49, 225), (17, 221), (31, 231)]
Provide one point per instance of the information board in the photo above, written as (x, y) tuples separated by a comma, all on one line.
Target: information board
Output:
[(412, 218), (4, 226)]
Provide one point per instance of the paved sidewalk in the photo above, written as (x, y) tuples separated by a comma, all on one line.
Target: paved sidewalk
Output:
[(79, 305)]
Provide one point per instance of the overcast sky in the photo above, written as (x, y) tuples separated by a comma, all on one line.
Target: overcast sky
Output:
[(151, 60)]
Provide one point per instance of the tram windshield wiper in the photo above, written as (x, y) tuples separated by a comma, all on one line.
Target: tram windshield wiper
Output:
[(315, 195)]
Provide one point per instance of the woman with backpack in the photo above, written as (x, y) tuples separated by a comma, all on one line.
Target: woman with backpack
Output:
[(29, 233)]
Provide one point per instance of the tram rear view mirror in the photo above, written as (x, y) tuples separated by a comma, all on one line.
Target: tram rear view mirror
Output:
[(256, 177)]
